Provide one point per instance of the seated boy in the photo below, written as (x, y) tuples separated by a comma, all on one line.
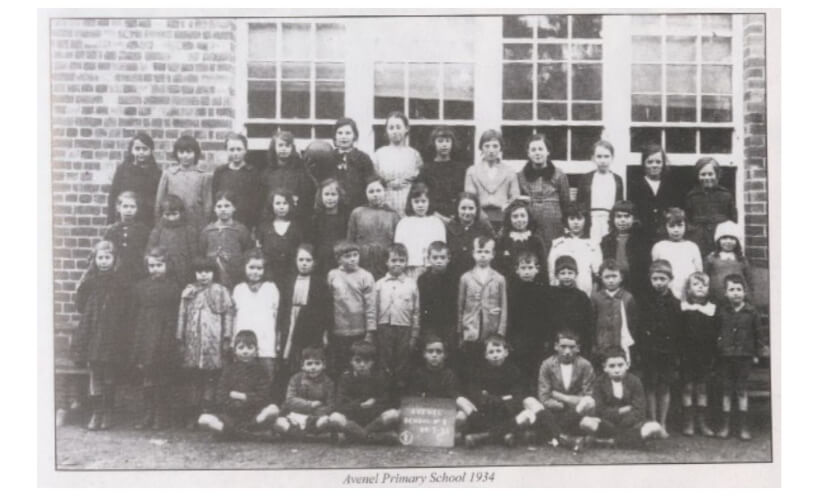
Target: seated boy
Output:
[(309, 399), (243, 396), (620, 404), (565, 385), (569, 307), (362, 399), (497, 390)]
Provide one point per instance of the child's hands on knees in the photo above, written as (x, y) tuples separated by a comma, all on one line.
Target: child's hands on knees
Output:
[(315, 404), (465, 405), (236, 395), (625, 409), (368, 403)]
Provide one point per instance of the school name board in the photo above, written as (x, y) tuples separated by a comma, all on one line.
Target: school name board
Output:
[(427, 422)]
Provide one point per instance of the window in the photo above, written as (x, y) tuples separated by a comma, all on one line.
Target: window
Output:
[(682, 83), (552, 83), (295, 78)]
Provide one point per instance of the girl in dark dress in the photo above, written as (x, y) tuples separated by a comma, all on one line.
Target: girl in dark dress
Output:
[(653, 193), (280, 237), (140, 174), (329, 223), (461, 232), (519, 234), (287, 171)]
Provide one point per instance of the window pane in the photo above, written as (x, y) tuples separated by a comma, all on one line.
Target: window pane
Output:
[(295, 44), (717, 108), (646, 48), (681, 79), (515, 138), (646, 78), (262, 42), (646, 23), (558, 137), (518, 111), (424, 97), (681, 48), (717, 79), (295, 70), (586, 51), (329, 41), (517, 82), (323, 132), (518, 26), (517, 51), (682, 23), (261, 130), (552, 51), (552, 111), (329, 99), (326, 70), (552, 81), (721, 22), (552, 26), (389, 90), (586, 111), (646, 108), (716, 140), (680, 140), (295, 99), (261, 70), (681, 108), (587, 82), (644, 136), (587, 26), (458, 91), (301, 131), (716, 49), (261, 99), (582, 141)]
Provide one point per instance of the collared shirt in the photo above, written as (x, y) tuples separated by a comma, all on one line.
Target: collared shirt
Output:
[(618, 391), (397, 302)]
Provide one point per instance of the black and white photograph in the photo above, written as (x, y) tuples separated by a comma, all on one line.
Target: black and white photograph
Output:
[(410, 248)]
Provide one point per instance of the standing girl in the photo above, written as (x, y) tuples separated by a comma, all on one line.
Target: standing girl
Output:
[(154, 352), (397, 163), (546, 187), (329, 223), (576, 244), (225, 240), (708, 204), (726, 259), (138, 173), (419, 229), (287, 171), (443, 175), (242, 179), (280, 237), (653, 193), (129, 236), (492, 180), (203, 332), (519, 235), (305, 315), (463, 230), (599, 189), (188, 180), (101, 338), (372, 228), (177, 237), (349, 165), (257, 302), (698, 351), (683, 255)]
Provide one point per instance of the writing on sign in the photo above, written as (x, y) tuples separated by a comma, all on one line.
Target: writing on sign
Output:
[(427, 422)]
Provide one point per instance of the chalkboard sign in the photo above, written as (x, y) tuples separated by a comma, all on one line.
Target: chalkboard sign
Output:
[(427, 422)]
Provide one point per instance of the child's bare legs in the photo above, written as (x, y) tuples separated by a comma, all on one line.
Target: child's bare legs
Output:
[(650, 398), (687, 409), (701, 410), (726, 406), (663, 397), (743, 406), (386, 420)]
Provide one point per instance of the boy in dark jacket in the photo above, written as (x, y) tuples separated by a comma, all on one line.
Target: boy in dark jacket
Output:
[(438, 288), (497, 390), (570, 307), (243, 395), (658, 340), (620, 404), (627, 243), (362, 400), (739, 344)]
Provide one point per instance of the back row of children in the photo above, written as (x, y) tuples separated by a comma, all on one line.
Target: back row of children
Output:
[(395, 310)]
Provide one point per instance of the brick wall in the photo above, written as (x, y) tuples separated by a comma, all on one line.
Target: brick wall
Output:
[(755, 141), (110, 79)]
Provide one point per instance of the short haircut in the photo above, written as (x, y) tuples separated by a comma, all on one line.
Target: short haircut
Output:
[(343, 247), (573, 210), (491, 135), (246, 337), (496, 340), (696, 276), (308, 247), (653, 149), (202, 264), (603, 144), (704, 162), (225, 195), (345, 121), (625, 206), (398, 249), (526, 256), (312, 353), (481, 241), (253, 254), (172, 203), (397, 114), (235, 137), (374, 178), (438, 246), (433, 339), (675, 216), (613, 352), (567, 334), (130, 195), (363, 349), (187, 143), (735, 279), (442, 132), (610, 264), (157, 252)]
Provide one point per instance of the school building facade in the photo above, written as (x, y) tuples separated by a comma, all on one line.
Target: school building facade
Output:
[(696, 83)]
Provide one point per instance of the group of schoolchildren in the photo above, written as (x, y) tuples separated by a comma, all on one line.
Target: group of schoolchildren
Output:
[(309, 296)]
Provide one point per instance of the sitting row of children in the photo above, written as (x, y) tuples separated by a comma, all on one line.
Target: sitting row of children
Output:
[(571, 407)]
